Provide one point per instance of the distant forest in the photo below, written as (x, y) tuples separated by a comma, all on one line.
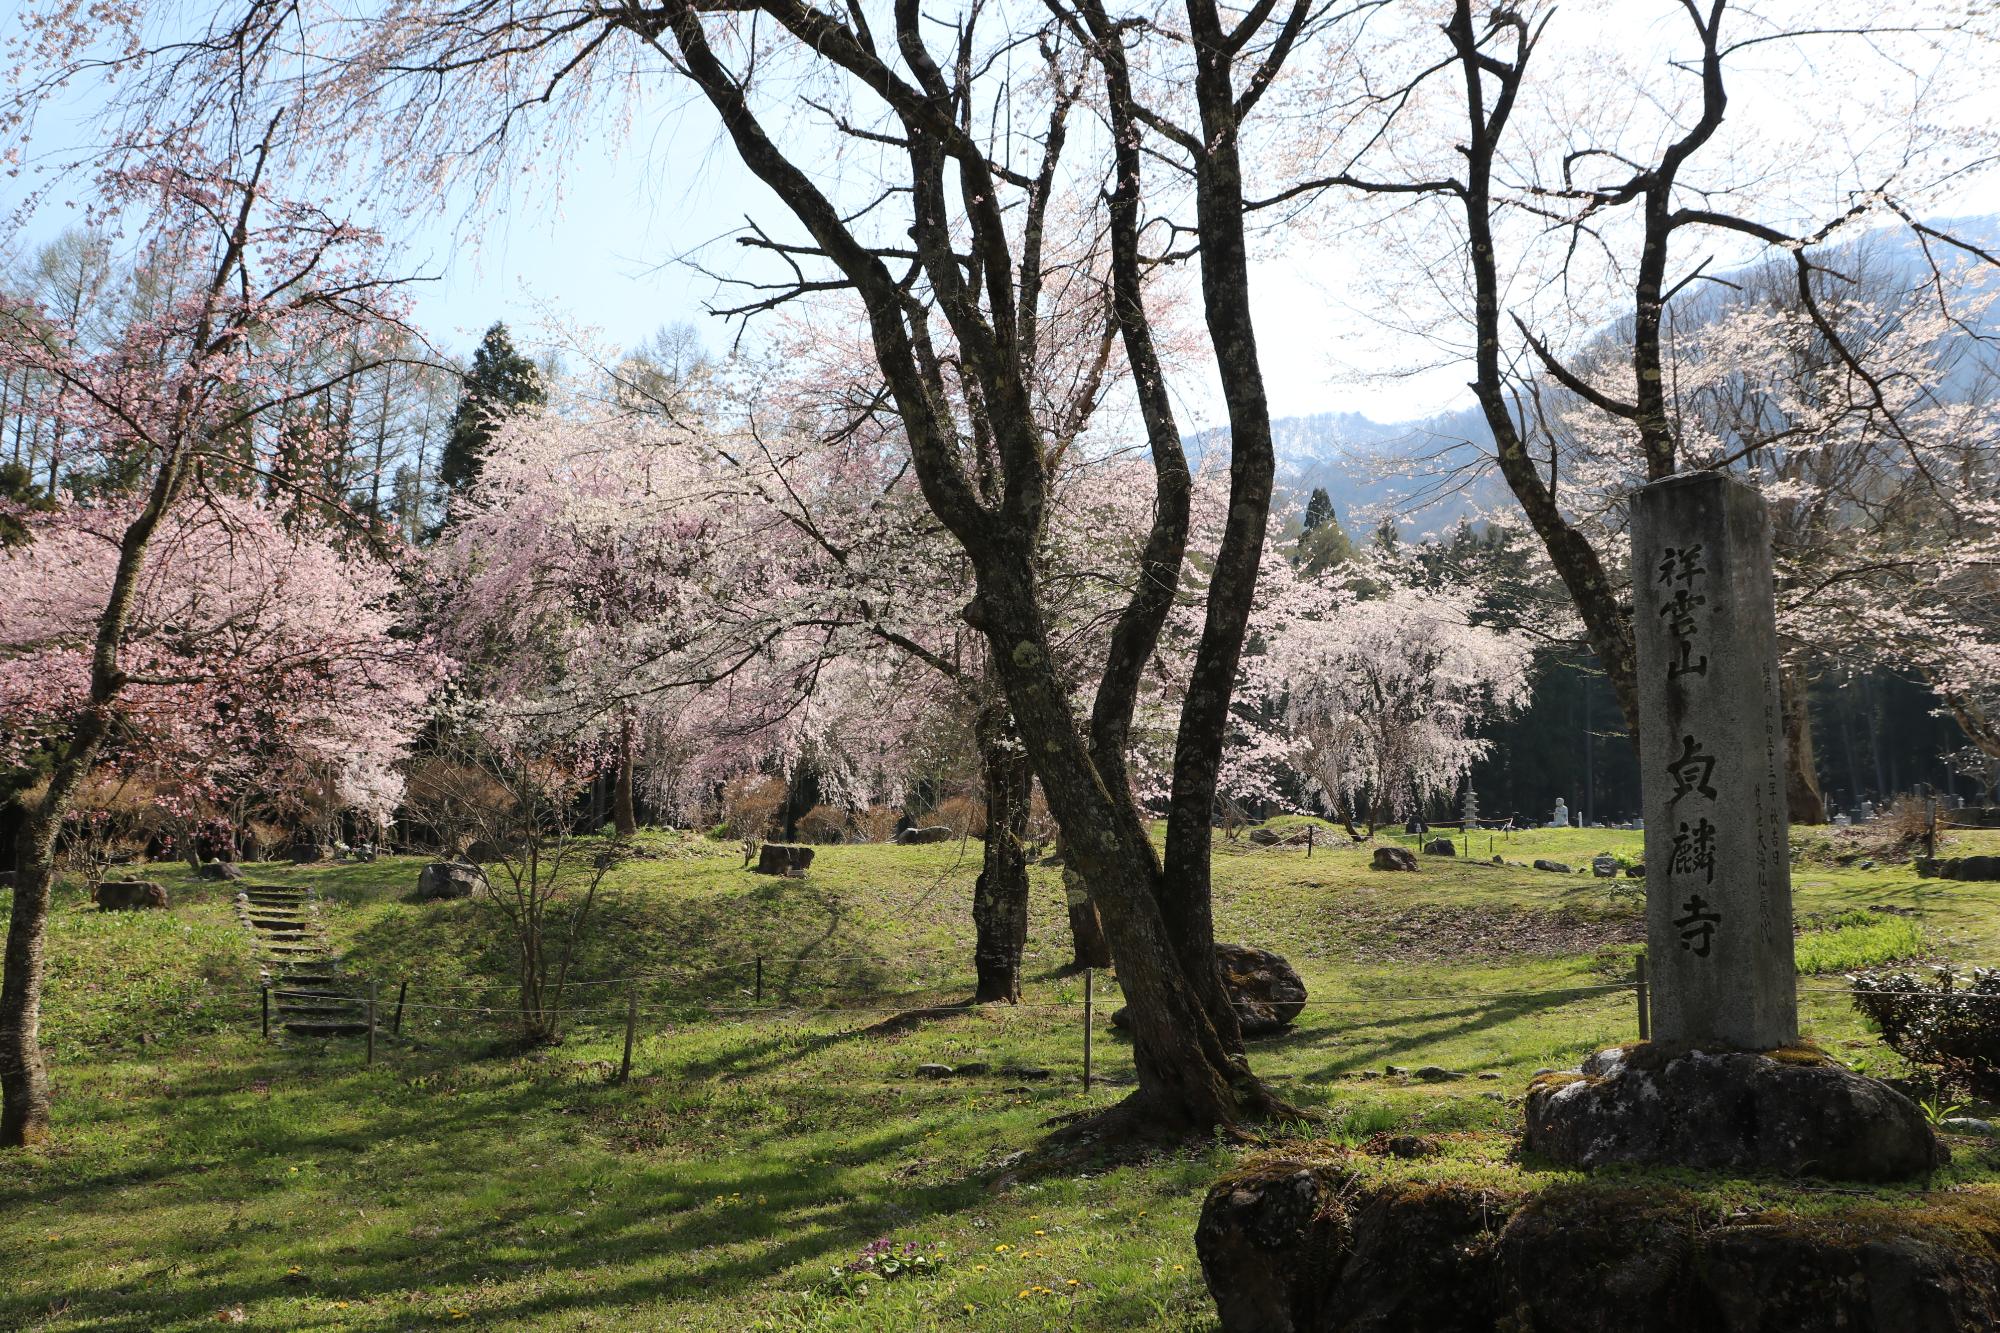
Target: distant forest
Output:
[(1876, 735)]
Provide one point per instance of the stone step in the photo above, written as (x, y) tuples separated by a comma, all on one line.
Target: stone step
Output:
[(315, 1027), (281, 927), (294, 950), (303, 1008)]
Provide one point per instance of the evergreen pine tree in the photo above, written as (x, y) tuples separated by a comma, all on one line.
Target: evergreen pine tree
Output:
[(1323, 544), (501, 381), (20, 495)]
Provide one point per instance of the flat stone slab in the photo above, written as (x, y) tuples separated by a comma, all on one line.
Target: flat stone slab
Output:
[(1798, 1113)]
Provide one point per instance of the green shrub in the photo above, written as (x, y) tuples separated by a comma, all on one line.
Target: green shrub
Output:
[(1941, 1020)]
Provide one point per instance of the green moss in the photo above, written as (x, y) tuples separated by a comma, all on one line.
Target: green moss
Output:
[(1803, 1054)]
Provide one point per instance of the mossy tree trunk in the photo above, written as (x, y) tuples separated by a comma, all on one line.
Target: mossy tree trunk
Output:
[(1000, 894), (24, 1092)]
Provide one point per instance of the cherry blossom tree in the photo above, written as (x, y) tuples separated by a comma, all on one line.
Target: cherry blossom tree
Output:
[(193, 401), (1374, 698), (608, 582), (255, 653)]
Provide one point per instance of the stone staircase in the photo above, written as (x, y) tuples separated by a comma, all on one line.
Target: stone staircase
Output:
[(310, 996)]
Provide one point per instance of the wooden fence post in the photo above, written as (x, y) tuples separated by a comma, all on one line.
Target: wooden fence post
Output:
[(631, 1025), (1644, 996), (760, 978), (266, 988), (402, 994), (1088, 1011), (374, 993)]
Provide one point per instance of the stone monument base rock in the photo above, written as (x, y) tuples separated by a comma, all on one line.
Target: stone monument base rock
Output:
[(1793, 1112)]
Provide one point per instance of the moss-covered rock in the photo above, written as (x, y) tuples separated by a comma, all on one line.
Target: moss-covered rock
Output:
[(1291, 1245)]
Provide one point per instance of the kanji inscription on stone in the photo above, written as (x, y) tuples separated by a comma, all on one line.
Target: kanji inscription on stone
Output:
[(1719, 895)]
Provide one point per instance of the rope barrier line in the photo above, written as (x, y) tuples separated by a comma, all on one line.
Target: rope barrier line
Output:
[(905, 1000), (750, 964)]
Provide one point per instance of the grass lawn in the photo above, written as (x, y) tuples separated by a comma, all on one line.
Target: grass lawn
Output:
[(202, 1175)]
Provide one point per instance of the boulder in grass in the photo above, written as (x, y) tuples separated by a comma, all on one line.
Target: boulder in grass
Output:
[(911, 837), (220, 871), (443, 880), (1970, 868), (1266, 837), (1266, 990), (1555, 867), (1394, 858), (787, 859), (1440, 847), (130, 895)]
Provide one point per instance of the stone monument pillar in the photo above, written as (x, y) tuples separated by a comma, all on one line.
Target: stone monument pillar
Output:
[(1703, 1093), (1711, 737)]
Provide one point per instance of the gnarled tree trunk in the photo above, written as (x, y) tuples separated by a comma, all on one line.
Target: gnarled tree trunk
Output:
[(24, 1091)]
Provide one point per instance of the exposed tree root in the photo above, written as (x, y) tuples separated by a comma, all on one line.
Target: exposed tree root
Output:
[(1138, 1129)]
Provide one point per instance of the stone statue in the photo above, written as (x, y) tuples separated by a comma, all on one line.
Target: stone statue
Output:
[(1560, 819)]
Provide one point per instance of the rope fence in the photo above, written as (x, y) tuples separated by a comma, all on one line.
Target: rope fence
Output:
[(666, 1017)]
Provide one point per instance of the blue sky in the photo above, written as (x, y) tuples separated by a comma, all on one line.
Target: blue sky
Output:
[(617, 248)]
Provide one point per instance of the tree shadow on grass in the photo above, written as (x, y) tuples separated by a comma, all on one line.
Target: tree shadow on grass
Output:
[(467, 1205), (1380, 1040)]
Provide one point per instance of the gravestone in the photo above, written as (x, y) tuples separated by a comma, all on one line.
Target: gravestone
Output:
[(1719, 907)]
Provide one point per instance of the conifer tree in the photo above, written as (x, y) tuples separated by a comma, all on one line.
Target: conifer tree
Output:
[(501, 381)]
